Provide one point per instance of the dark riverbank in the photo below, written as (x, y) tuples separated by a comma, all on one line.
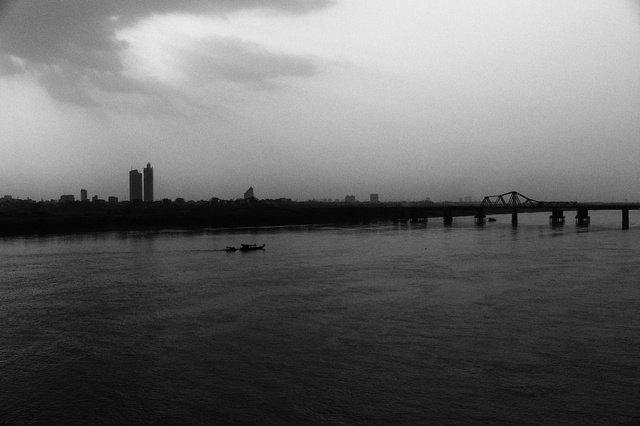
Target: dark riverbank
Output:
[(19, 217), (29, 217)]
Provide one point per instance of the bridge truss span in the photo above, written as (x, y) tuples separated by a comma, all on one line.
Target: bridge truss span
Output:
[(515, 199), (509, 199)]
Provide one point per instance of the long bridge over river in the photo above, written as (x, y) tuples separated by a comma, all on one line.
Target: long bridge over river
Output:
[(514, 203), (26, 217)]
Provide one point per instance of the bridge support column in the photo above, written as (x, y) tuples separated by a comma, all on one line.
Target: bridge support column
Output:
[(625, 218), (514, 217), (557, 217), (420, 216), (447, 217), (582, 217), (480, 217)]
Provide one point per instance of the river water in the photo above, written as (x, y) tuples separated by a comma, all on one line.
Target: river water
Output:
[(376, 324)]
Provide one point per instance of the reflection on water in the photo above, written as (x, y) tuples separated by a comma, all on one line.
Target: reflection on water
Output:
[(390, 323)]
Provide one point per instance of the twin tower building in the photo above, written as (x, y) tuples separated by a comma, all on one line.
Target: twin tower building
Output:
[(135, 184)]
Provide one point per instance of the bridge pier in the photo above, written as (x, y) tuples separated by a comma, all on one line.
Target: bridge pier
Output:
[(582, 217), (480, 217), (625, 218), (557, 217), (447, 216), (514, 217)]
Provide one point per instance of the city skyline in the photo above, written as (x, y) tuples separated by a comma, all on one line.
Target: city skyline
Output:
[(138, 191), (318, 99)]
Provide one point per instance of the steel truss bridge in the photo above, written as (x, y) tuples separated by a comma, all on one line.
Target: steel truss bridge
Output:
[(515, 199), (512, 203)]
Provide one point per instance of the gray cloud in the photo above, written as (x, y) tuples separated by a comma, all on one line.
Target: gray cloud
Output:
[(71, 45), (231, 59), (9, 65)]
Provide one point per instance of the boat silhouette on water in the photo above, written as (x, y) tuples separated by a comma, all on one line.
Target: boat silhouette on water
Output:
[(244, 247), (251, 247)]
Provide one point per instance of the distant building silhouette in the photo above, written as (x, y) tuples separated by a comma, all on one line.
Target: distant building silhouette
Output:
[(113, 199), (249, 193), (67, 198), (83, 195), (148, 184), (350, 199), (135, 185), (373, 198), (95, 199)]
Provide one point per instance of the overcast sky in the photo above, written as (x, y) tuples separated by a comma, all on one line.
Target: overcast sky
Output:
[(319, 99)]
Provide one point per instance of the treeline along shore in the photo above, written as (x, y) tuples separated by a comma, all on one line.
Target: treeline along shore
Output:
[(30, 217)]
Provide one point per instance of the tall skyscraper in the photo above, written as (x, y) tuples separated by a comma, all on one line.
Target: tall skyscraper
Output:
[(83, 195), (148, 184), (135, 185)]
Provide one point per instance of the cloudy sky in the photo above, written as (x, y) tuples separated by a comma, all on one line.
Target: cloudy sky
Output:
[(322, 98)]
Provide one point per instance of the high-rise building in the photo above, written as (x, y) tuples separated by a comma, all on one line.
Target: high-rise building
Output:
[(83, 195), (373, 198), (135, 185), (148, 184)]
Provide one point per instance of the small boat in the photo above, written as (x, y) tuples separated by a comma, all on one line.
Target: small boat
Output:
[(229, 248), (491, 219), (250, 247)]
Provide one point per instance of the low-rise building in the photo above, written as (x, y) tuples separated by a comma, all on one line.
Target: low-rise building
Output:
[(249, 193)]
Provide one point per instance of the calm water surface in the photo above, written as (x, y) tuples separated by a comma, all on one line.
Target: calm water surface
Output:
[(381, 324)]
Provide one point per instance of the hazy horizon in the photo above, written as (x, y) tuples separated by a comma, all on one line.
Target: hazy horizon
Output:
[(313, 99)]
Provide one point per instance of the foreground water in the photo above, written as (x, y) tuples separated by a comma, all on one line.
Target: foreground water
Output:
[(385, 324)]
